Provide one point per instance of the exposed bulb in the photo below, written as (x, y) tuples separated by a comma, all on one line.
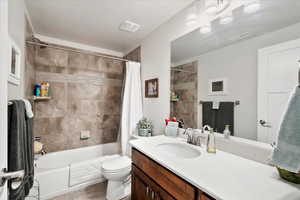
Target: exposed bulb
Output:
[(205, 29), (211, 6), (251, 6), (226, 19)]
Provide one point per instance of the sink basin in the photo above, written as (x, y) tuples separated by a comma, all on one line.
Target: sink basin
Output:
[(178, 150)]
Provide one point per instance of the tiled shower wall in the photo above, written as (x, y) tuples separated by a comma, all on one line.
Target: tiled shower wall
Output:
[(185, 85), (86, 96)]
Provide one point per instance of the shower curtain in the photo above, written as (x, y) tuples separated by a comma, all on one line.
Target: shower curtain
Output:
[(132, 107)]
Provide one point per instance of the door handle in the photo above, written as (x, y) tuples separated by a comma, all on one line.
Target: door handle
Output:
[(264, 124), (5, 176)]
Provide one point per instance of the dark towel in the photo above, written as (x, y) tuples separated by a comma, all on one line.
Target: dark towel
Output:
[(225, 116), (208, 114), (20, 148), (218, 118)]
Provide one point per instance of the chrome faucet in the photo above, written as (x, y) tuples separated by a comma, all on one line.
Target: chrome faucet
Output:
[(193, 137)]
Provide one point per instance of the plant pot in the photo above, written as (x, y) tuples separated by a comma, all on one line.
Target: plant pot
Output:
[(144, 132), (289, 176)]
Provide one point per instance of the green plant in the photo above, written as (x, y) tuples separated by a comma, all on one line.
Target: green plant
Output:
[(145, 124)]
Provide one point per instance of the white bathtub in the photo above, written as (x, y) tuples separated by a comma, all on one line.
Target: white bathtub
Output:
[(66, 171)]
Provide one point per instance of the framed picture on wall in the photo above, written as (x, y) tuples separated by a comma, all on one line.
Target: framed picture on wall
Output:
[(14, 71), (151, 88), (218, 86)]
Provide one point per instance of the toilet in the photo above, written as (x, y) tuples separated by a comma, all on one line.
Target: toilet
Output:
[(117, 172)]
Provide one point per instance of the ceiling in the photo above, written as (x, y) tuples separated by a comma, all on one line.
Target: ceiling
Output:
[(274, 15), (96, 22)]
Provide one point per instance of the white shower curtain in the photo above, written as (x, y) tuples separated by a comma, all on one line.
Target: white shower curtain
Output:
[(132, 108)]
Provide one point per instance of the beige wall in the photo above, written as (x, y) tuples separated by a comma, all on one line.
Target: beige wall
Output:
[(86, 96)]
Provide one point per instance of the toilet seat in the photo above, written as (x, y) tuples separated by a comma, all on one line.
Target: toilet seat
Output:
[(117, 165)]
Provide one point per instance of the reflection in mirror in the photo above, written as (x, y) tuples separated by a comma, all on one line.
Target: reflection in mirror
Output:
[(184, 93), (252, 59)]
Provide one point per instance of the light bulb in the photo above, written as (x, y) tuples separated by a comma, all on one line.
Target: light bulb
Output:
[(211, 6), (226, 19), (191, 22), (252, 6), (205, 29)]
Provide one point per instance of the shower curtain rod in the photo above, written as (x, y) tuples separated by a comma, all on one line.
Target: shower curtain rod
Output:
[(78, 51)]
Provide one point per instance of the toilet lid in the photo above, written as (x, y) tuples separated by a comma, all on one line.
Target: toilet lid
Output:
[(117, 164)]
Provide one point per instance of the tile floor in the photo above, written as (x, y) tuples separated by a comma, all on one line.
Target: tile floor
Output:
[(94, 192)]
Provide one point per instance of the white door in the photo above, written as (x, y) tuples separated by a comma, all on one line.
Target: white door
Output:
[(277, 76), (3, 90)]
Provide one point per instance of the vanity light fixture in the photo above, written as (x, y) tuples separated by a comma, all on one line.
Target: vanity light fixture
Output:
[(205, 29), (226, 19), (213, 7), (251, 6)]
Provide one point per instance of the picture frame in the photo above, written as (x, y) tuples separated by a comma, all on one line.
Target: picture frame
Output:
[(152, 88), (14, 71), (218, 86)]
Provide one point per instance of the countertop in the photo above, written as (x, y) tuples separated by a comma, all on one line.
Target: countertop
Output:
[(223, 176)]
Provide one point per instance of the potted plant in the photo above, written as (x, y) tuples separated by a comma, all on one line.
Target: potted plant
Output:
[(145, 127)]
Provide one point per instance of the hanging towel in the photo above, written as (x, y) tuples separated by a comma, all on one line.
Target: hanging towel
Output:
[(28, 108), (208, 114), (20, 149), (287, 153), (216, 105), (225, 116)]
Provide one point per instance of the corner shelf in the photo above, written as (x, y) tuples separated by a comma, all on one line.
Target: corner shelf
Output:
[(35, 98)]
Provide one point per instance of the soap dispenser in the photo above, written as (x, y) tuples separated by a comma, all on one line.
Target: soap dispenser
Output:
[(211, 142)]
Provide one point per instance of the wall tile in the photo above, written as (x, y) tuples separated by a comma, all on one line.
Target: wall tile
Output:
[(86, 95)]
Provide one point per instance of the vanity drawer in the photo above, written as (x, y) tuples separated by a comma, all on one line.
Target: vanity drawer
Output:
[(174, 185)]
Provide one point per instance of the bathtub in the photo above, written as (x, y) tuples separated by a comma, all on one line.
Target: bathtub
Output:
[(62, 172)]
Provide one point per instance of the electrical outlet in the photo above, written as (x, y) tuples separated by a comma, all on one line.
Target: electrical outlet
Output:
[(84, 135)]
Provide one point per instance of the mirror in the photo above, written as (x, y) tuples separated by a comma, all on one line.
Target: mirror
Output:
[(239, 73)]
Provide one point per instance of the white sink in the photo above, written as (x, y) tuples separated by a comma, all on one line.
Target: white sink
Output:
[(178, 150)]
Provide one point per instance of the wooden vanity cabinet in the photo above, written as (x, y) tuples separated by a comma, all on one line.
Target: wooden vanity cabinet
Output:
[(151, 181)]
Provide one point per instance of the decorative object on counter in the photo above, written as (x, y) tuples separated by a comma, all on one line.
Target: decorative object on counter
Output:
[(171, 119), (174, 97), (180, 123), (211, 142), (227, 132), (152, 88), (172, 129), (286, 155), (206, 129), (145, 127), (174, 119)]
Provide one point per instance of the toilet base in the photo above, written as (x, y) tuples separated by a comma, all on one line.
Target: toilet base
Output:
[(117, 190)]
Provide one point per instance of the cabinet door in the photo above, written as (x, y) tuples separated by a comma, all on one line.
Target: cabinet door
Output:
[(143, 188), (203, 196), (139, 188)]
